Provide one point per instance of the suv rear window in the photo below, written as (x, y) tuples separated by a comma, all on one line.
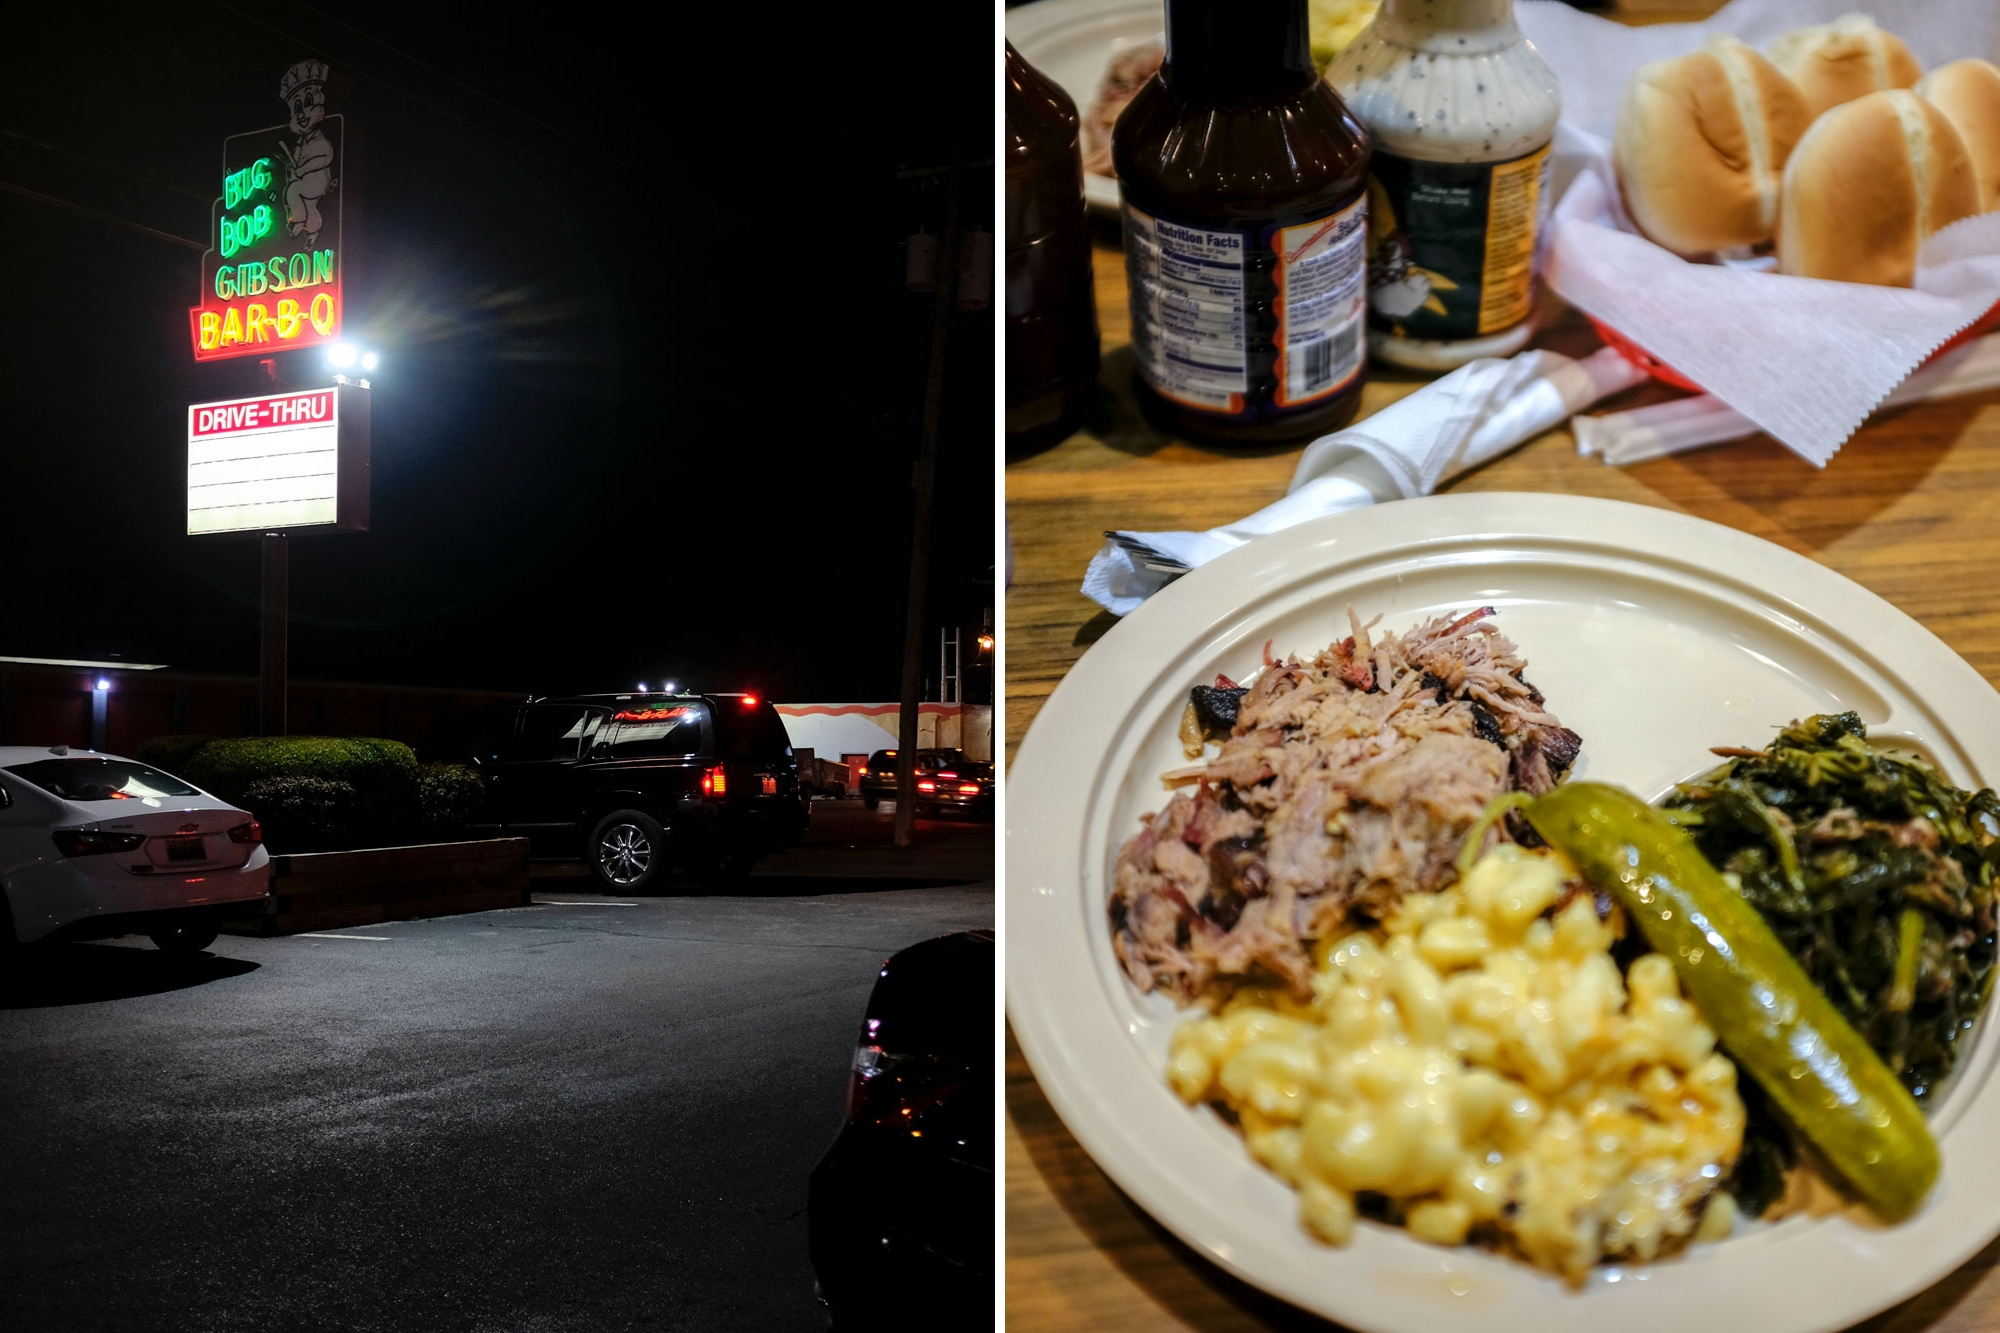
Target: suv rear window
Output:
[(94, 779), (643, 729), (755, 732)]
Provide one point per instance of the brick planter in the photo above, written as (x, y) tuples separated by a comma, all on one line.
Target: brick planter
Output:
[(328, 890)]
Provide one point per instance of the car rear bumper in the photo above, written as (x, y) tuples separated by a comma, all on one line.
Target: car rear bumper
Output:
[(56, 899), (900, 1238)]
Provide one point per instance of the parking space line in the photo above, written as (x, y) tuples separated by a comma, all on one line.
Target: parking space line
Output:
[(315, 935), (569, 904)]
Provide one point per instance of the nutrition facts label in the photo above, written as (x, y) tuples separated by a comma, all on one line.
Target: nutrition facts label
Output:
[(1188, 318), (1322, 303)]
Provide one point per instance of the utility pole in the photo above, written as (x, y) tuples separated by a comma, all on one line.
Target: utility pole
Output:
[(920, 537), (272, 665)]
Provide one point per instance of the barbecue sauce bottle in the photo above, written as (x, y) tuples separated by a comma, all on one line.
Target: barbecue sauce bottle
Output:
[(1051, 297), (1244, 180)]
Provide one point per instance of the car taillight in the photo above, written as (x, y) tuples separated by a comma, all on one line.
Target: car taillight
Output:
[(927, 785), (252, 833), (715, 782), (891, 1088), (864, 770), (968, 789), (94, 842)]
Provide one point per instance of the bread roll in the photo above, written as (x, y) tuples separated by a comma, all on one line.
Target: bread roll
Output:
[(1868, 183), (1968, 92), (1701, 147), (1839, 61)]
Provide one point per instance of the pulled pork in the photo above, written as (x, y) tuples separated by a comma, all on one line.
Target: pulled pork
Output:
[(1345, 782), (1123, 78)]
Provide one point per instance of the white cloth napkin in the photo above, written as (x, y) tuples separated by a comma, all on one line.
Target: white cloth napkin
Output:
[(1453, 424), (1804, 359)]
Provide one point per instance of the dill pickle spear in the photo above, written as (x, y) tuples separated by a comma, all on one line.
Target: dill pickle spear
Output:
[(1774, 1022)]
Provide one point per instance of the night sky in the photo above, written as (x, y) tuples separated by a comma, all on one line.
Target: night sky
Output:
[(651, 383)]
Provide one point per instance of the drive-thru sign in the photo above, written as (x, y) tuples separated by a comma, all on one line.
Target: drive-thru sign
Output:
[(286, 461)]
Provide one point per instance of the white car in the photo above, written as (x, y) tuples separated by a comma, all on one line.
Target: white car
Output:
[(92, 845)]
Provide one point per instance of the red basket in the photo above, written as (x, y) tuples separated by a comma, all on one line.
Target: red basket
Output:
[(1666, 374)]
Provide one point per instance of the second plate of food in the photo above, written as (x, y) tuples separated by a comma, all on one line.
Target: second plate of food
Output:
[(1651, 636)]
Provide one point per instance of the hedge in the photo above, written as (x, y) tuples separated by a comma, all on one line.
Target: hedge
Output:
[(449, 796), (327, 793), (171, 753), (383, 775), (303, 814)]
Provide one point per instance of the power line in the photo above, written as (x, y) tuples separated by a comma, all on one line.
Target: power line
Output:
[(316, 49), (199, 247), (102, 165), (458, 82)]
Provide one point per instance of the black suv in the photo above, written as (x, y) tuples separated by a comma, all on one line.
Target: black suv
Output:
[(634, 783)]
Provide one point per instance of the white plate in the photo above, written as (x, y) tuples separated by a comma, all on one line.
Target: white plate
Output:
[(1654, 636), (1071, 42)]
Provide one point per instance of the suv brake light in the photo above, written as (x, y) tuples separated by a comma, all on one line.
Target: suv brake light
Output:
[(715, 782), (252, 833), (93, 842)]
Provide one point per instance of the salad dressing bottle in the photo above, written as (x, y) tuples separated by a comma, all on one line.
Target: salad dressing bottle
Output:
[(1462, 109), (1244, 183)]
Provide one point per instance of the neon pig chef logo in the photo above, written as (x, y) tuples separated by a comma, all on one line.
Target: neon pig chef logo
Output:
[(271, 279), (309, 158)]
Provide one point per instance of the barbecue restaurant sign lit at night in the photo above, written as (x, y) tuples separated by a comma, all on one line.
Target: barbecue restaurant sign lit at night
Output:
[(270, 281)]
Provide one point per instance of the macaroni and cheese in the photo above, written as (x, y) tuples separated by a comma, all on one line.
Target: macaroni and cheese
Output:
[(1479, 1063)]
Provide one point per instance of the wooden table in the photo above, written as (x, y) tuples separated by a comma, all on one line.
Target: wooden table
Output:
[(1909, 508)]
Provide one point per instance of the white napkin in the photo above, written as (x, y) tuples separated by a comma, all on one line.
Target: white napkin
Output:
[(1453, 424), (1805, 360), (1689, 423)]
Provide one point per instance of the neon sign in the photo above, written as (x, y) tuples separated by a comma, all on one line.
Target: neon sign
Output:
[(271, 280)]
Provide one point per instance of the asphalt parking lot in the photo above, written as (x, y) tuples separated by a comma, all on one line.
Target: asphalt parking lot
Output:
[(594, 1113)]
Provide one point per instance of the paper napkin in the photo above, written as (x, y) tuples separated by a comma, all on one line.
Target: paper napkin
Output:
[(1457, 422), (1804, 359)]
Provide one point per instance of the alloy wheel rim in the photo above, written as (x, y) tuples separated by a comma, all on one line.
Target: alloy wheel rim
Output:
[(626, 854)]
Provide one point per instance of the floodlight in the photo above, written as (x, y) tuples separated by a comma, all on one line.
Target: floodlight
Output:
[(103, 684), (341, 355), (369, 360)]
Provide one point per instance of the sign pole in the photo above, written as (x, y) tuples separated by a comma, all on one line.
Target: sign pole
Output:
[(920, 536), (273, 627)]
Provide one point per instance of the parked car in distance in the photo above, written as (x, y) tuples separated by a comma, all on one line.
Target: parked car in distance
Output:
[(899, 1213), (635, 784), (94, 845), (878, 784), (960, 785)]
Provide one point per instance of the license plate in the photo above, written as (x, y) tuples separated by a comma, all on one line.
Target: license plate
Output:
[(186, 849), (770, 786)]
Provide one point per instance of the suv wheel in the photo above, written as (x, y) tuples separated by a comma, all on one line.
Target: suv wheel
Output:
[(187, 939), (628, 851)]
